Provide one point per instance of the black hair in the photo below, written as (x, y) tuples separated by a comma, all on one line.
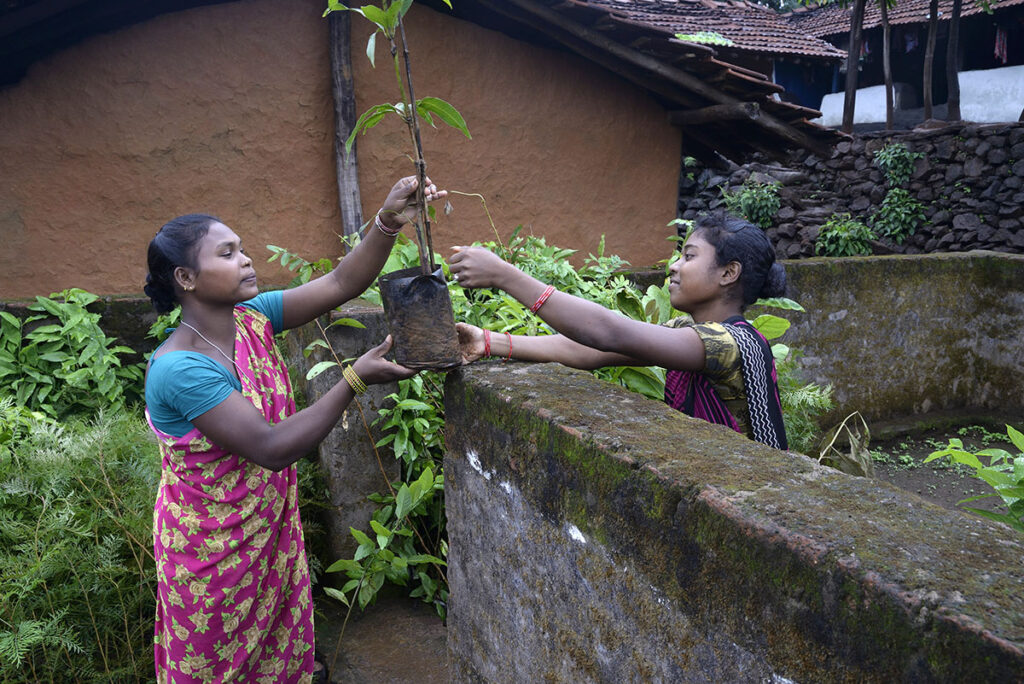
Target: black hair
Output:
[(737, 240), (174, 245)]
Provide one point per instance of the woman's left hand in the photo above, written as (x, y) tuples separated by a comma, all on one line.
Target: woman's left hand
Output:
[(400, 207)]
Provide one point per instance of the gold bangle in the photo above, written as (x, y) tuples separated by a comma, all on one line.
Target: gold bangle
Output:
[(353, 379)]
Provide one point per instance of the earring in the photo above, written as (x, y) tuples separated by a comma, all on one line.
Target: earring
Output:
[(190, 288)]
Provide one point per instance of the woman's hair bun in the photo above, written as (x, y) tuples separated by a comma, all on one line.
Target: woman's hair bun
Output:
[(774, 282), (162, 297)]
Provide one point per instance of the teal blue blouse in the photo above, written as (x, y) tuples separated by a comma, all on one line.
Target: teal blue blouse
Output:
[(181, 385)]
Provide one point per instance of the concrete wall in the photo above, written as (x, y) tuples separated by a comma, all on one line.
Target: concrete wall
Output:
[(870, 105), (899, 335), (992, 94), (986, 96), (227, 109), (599, 536)]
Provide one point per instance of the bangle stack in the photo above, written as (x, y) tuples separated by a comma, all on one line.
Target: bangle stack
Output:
[(543, 298), (354, 381), (384, 229), (487, 342)]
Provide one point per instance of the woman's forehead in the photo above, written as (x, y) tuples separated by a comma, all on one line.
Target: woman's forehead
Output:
[(218, 234), (697, 241)]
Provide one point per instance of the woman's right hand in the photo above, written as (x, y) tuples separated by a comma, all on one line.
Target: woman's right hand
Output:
[(373, 369), (479, 267), (471, 342)]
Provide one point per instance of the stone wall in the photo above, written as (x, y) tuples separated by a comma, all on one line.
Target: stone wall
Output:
[(970, 181), (599, 536)]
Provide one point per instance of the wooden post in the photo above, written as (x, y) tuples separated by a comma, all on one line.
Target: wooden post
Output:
[(344, 120), (852, 62)]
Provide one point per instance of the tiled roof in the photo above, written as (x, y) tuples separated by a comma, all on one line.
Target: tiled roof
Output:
[(832, 20), (750, 27), (724, 108)]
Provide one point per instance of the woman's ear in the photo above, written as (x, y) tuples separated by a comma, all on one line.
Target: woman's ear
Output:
[(185, 278), (730, 273)]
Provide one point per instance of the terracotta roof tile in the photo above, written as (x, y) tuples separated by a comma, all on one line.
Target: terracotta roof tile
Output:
[(750, 27), (832, 20)]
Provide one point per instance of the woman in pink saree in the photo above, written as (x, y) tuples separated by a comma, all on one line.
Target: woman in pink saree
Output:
[(233, 587)]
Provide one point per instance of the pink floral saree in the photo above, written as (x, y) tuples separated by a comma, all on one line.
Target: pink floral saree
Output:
[(233, 587)]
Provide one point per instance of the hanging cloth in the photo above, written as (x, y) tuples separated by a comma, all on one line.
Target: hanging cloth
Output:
[(1000, 51)]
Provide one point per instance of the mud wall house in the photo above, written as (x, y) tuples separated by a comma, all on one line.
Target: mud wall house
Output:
[(117, 116), (990, 61)]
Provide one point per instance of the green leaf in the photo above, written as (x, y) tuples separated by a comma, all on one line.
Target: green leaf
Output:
[(780, 303), (346, 564), (360, 537), (403, 502), (377, 16), (771, 326), (334, 6), (335, 594), (1016, 437), (319, 368), (446, 112), (371, 49), (370, 118), (322, 343), (348, 323), (421, 558), (380, 530)]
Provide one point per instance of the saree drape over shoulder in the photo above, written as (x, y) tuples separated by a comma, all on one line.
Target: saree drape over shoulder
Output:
[(233, 587), (738, 387)]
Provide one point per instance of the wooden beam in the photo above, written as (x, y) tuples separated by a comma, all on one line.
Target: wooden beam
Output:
[(344, 120), (543, 19), (740, 111)]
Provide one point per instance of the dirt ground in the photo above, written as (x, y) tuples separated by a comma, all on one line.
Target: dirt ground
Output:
[(397, 640), (900, 460)]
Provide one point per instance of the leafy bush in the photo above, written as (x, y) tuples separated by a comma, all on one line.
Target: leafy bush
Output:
[(842, 236), (754, 201), (76, 551), (899, 216), (65, 367), (1004, 473), (896, 162)]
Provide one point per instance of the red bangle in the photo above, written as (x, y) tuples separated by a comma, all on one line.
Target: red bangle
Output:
[(509, 346), (543, 298), (384, 229), (487, 342)]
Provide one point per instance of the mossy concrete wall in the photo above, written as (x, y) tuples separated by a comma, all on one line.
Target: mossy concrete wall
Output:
[(905, 335), (599, 536)]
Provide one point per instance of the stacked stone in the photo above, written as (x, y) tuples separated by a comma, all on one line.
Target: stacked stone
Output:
[(970, 182)]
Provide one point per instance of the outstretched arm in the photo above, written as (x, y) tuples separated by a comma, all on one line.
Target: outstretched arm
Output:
[(236, 425), (356, 272), (589, 324), (473, 343)]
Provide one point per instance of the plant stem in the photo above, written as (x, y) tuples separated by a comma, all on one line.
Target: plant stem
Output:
[(421, 164), (409, 116)]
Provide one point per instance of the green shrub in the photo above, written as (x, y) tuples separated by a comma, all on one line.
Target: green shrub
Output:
[(68, 366), (842, 236), (754, 201), (1004, 474), (899, 216), (896, 162), (76, 551)]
